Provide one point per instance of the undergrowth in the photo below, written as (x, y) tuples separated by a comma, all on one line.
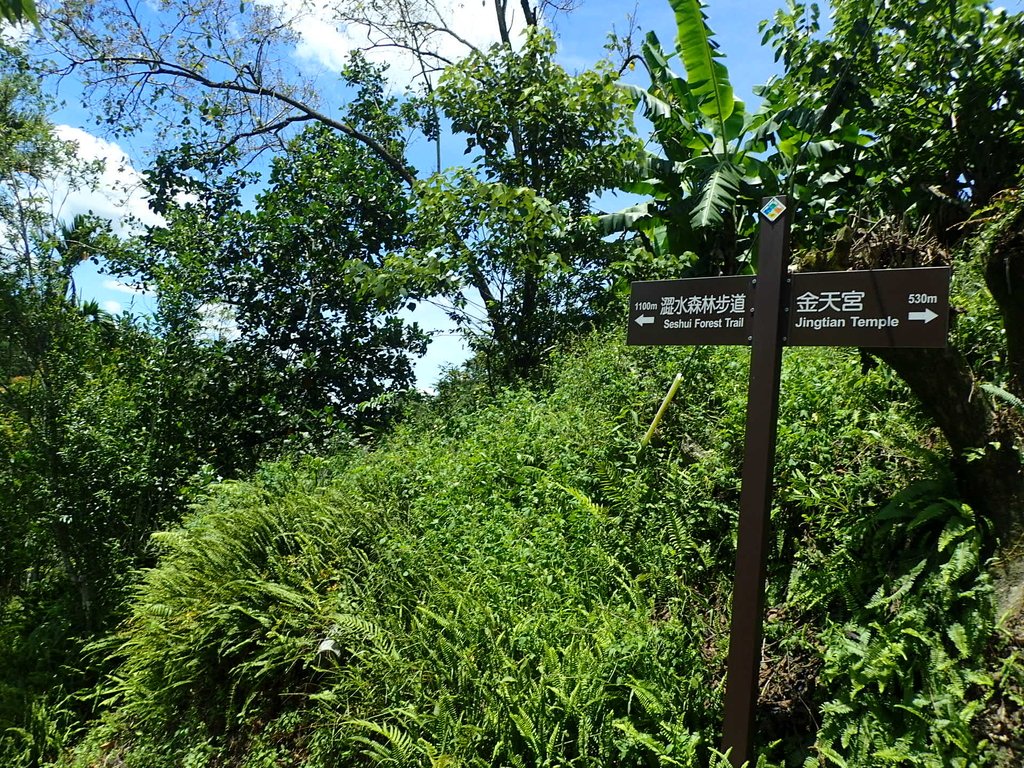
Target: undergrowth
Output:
[(518, 584)]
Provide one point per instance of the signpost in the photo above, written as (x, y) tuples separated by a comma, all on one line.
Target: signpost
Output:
[(867, 308), (701, 310)]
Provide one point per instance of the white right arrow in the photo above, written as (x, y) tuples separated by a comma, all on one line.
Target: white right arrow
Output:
[(927, 315), (644, 320)]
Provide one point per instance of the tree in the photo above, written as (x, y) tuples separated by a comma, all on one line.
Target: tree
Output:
[(704, 183), (106, 425), (64, 499), (297, 272), (513, 229), (76, 505), (527, 295), (227, 65), (930, 88)]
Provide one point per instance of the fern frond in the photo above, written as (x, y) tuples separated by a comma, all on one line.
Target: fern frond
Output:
[(1003, 395), (397, 749)]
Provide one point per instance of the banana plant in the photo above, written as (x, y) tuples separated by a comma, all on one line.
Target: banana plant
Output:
[(703, 184)]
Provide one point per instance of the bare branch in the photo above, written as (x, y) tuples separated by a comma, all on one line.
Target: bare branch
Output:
[(151, 68), (274, 128)]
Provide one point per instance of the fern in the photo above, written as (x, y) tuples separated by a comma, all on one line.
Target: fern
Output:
[(916, 641), (585, 501), (1003, 395), (650, 700), (517, 587), (392, 747)]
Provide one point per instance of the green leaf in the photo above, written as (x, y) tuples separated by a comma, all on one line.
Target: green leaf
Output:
[(654, 107), (623, 221), (18, 11), (662, 76), (717, 195), (958, 635), (1003, 395), (708, 79), (651, 165), (735, 125)]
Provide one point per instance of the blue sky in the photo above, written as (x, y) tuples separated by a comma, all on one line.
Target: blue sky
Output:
[(582, 35), (734, 22)]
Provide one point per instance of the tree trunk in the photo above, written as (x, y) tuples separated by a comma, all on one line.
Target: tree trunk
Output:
[(985, 461), (1004, 275)]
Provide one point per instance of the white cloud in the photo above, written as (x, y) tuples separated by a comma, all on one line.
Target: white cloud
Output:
[(113, 307), (15, 34), (325, 39), (217, 321), (115, 194), (135, 290)]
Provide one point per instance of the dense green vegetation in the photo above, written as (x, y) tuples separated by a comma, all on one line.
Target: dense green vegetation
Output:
[(263, 548), (515, 584)]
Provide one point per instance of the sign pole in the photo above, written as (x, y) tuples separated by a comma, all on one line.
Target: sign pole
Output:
[(745, 637)]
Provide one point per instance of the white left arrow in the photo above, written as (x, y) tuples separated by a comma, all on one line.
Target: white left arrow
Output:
[(927, 315), (644, 320)]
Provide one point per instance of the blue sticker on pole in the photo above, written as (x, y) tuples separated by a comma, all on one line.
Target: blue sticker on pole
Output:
[(773, 209)]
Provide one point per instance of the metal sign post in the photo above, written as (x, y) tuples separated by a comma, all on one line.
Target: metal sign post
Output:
[(866, 308)]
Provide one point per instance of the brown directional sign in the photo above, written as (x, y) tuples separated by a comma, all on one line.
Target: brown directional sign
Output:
[(700, 310), (864, 308), (869, 308)]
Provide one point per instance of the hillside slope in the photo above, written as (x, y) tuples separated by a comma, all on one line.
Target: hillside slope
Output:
[(517, 584)]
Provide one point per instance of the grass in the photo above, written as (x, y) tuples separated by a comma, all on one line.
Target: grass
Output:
[(518, 584)]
